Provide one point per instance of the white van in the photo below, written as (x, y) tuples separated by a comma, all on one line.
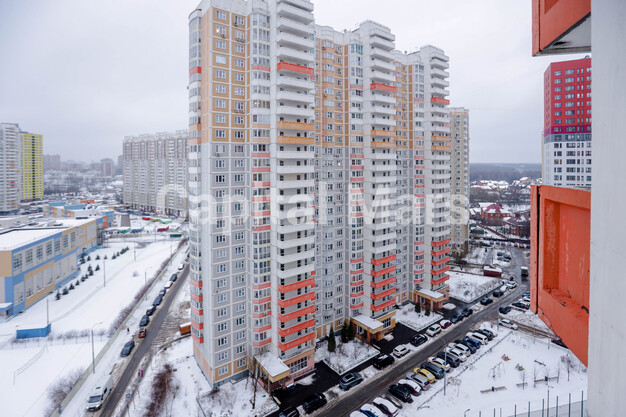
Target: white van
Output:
[(99, 394), (479, 337)]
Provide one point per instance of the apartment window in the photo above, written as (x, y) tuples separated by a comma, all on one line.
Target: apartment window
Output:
[(239, 62), (239, 48), (222, 312), (220, 74), (222, 341), (220, 88), (222, 298), (220, 59), (220, 104), (220, 118), (239, 76), (220, 268), (240, 321), (222, 371), (220, 44), (239, 91), (240, 293)]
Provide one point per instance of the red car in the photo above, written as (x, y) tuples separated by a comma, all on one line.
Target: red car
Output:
[(163, 229), (145, 218), (142, 333), (445, 324)]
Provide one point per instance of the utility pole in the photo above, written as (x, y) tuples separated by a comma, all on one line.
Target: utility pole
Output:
[(104, 272)]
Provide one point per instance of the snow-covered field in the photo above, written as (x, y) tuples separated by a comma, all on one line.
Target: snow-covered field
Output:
[(478, 255), (89, 305), (346, 355), (537, 359), (407, 316), (468, 287)]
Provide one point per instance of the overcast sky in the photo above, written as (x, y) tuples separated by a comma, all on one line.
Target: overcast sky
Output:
[(87, 73)]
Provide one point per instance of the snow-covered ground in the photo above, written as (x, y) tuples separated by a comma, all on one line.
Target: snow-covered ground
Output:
[(527, 318), (346, 355), (478, 255), (489, 368), (468, 287), (407, 316), (77, 311)]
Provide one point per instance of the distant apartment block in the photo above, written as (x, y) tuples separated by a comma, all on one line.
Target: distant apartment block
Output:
[(51, 162), (567, 142), (107, 167), (21, 167), (326, 158), (459, 120), (155, 172)]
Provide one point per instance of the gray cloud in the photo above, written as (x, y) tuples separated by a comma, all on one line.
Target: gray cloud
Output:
[(87, 73)]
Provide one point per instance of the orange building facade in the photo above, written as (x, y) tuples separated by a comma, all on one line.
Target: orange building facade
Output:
[(560, 253)]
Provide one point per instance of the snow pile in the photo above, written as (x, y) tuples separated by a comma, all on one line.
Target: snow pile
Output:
[(468, 287), (346, 356), (477, 256), (415, 321), (527, 318)]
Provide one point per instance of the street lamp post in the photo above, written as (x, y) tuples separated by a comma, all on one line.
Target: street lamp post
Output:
[(145, 280), (93, 353), (104, 272), (465, 412), (445, 360)]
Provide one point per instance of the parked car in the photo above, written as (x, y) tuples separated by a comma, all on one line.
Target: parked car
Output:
[(497, 293), (412, 386), (385, 406), (145, 320), (358, 413), (181, 267), (150, 311), (520, 305), (486, 301), (350, 380), (174, 277), (478, 337), (419, 340), (381, 361), (162, 292), (433, 330), (504, 309), (315, 401), (456, 318), (467, 312), (290, 411), (526, 299), (461, 347), (490, 335), (440, 362), (420, 379), (500, 253), (99, 394), (473, 342), (458, 353), (445, 324), (436, 370), (400, 393), (426, 373), (128, 347), (507, 323), (511, 284), (449, 358), (526, 294), (371, 411), (400, 351), (142, 333), (157, 301)]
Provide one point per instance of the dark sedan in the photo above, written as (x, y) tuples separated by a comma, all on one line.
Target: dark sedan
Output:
[(128, 347), (315, 401), (486, 301), (401, 393), (436, 370), (419, 340)]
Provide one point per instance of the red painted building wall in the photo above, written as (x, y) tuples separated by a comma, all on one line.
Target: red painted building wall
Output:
[(560, 254)]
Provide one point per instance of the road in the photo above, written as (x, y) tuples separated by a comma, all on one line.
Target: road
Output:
[(325, 379), (156, 321)]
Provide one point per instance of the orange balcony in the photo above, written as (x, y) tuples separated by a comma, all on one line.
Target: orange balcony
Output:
[(296, 140), (296, 314), (286, 66), (383, 294), (295, 125), (261, 300), (195, 297), (383, 145), (293, 329), (356, 305), (440, 148), (384, 282), (383, 260), (383, 305), (439, 100), (385, 133), (356, 294), (356, 283), (439, 272), (440, 243), (310, 282), (440, 261), (438, 252), (262, 342), (383, 271), (382, 87), (296, 342), (310, 296), (440, 280)]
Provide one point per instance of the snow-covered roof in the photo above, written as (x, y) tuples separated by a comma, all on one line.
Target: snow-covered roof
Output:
[(434, 295), (272, 365), (370, 323), (5, 306)]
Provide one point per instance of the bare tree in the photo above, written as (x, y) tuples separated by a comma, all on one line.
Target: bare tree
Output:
[(523, 375)]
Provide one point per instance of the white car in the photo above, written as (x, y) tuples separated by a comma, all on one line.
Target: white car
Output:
[(461, 347), (525, 300), (458, 353), (511, 284), (440, 362), (400, 351), (414, 386), (373, 410), (383, 404), (357, 414), (433, 330), (181, 267), (507, 323)]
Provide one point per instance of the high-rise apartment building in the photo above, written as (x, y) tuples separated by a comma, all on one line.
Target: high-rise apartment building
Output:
[(319, 181), (107, 167), (566, 158), (32, 166), (52, 162), (155, 172), (459, 121)]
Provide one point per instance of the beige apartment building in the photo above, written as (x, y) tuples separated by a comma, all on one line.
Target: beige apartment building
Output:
[(319, 181), (459, 120)]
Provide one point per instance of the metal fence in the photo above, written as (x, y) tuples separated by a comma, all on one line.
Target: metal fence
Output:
[(555, 406)]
